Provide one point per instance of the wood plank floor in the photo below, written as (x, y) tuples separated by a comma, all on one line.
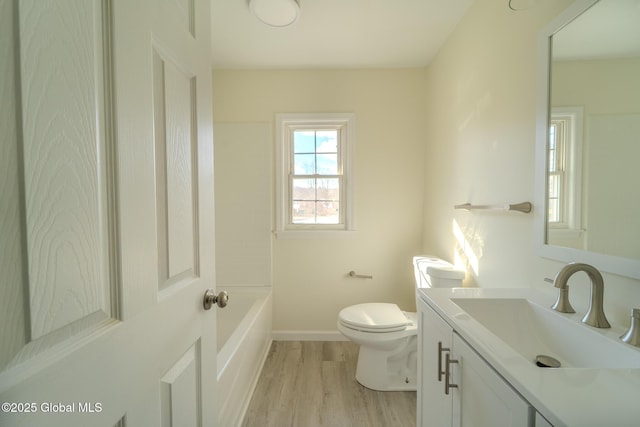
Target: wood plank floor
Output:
[(310, 383)]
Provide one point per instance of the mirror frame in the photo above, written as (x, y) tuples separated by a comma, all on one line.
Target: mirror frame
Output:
[(609, 263)]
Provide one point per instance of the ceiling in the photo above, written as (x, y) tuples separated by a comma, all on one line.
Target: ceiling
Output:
[(335, 34)]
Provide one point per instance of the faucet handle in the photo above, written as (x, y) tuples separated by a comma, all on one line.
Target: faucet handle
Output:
[(632, 336), (563, 305)]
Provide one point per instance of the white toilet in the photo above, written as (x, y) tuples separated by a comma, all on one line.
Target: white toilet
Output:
[(388, 336)]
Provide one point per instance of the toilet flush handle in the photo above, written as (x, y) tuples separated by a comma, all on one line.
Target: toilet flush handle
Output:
[(360, 276)]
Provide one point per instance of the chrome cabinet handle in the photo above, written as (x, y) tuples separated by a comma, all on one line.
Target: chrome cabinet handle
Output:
[(440, 350), (447, 384), (211, 298)]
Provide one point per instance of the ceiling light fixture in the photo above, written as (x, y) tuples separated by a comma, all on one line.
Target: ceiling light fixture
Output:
[(276, 13)]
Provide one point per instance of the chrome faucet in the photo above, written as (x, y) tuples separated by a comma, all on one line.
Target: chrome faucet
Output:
[(595, 315)]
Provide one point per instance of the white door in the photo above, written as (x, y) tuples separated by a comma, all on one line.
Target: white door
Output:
[(106, 213)]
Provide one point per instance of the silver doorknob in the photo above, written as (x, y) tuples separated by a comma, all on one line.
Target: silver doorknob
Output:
[(211, 298)]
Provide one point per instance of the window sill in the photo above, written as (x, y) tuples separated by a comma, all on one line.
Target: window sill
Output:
[(314, 234)]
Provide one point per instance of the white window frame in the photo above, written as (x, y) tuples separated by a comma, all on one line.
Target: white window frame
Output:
[(571, 216), (285, 125)]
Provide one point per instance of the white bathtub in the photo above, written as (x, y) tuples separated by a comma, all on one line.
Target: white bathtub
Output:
[(244, 338)]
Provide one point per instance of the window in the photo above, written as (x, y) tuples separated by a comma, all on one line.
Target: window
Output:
[(556, 169), (314, 187), (564, 160)]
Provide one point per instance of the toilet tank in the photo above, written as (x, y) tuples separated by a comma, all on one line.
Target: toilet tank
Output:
[(433, 272)]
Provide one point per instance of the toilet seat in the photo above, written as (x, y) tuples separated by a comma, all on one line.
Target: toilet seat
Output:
[(374, 317)]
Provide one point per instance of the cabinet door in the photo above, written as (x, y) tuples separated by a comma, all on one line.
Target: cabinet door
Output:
[(482, 398), (435, 335)]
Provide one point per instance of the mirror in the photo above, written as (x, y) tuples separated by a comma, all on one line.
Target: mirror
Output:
[(588, 136)]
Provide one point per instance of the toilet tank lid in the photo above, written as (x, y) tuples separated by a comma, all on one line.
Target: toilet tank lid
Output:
[(374, 316), (436, 267), (446, 272)]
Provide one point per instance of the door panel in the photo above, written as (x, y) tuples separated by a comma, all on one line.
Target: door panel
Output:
[(109, 202), (60, 185), (176, 169), (180, 391), (63, 146)]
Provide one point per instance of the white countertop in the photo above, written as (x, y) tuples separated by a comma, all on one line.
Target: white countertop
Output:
[(571, 397)]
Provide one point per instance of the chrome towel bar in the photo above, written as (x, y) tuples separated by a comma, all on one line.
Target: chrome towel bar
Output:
[(524, 207)]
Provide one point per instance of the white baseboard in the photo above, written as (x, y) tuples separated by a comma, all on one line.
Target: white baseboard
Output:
[(307, 336)]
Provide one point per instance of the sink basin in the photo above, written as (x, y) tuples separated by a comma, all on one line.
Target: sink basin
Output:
[(533, 330)]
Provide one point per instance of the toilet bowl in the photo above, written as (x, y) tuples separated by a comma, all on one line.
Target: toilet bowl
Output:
[(388, 336), (388, 348)]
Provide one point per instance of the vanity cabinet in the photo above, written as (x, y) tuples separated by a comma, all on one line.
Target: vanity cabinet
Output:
[(456, 386)]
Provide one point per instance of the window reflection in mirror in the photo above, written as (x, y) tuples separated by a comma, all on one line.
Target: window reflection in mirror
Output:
[(564, 177), (593, 193)]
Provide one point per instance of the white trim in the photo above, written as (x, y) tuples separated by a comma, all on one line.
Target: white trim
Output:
[(308, 336), (283, 122), (315, 234)]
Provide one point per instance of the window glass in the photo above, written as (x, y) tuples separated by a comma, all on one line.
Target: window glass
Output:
[(304, 141), (327, 141), (304, 164)]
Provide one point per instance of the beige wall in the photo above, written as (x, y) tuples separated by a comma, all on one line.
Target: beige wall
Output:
[(242, 154), (481, 138), (309, 277), (481, 93)]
